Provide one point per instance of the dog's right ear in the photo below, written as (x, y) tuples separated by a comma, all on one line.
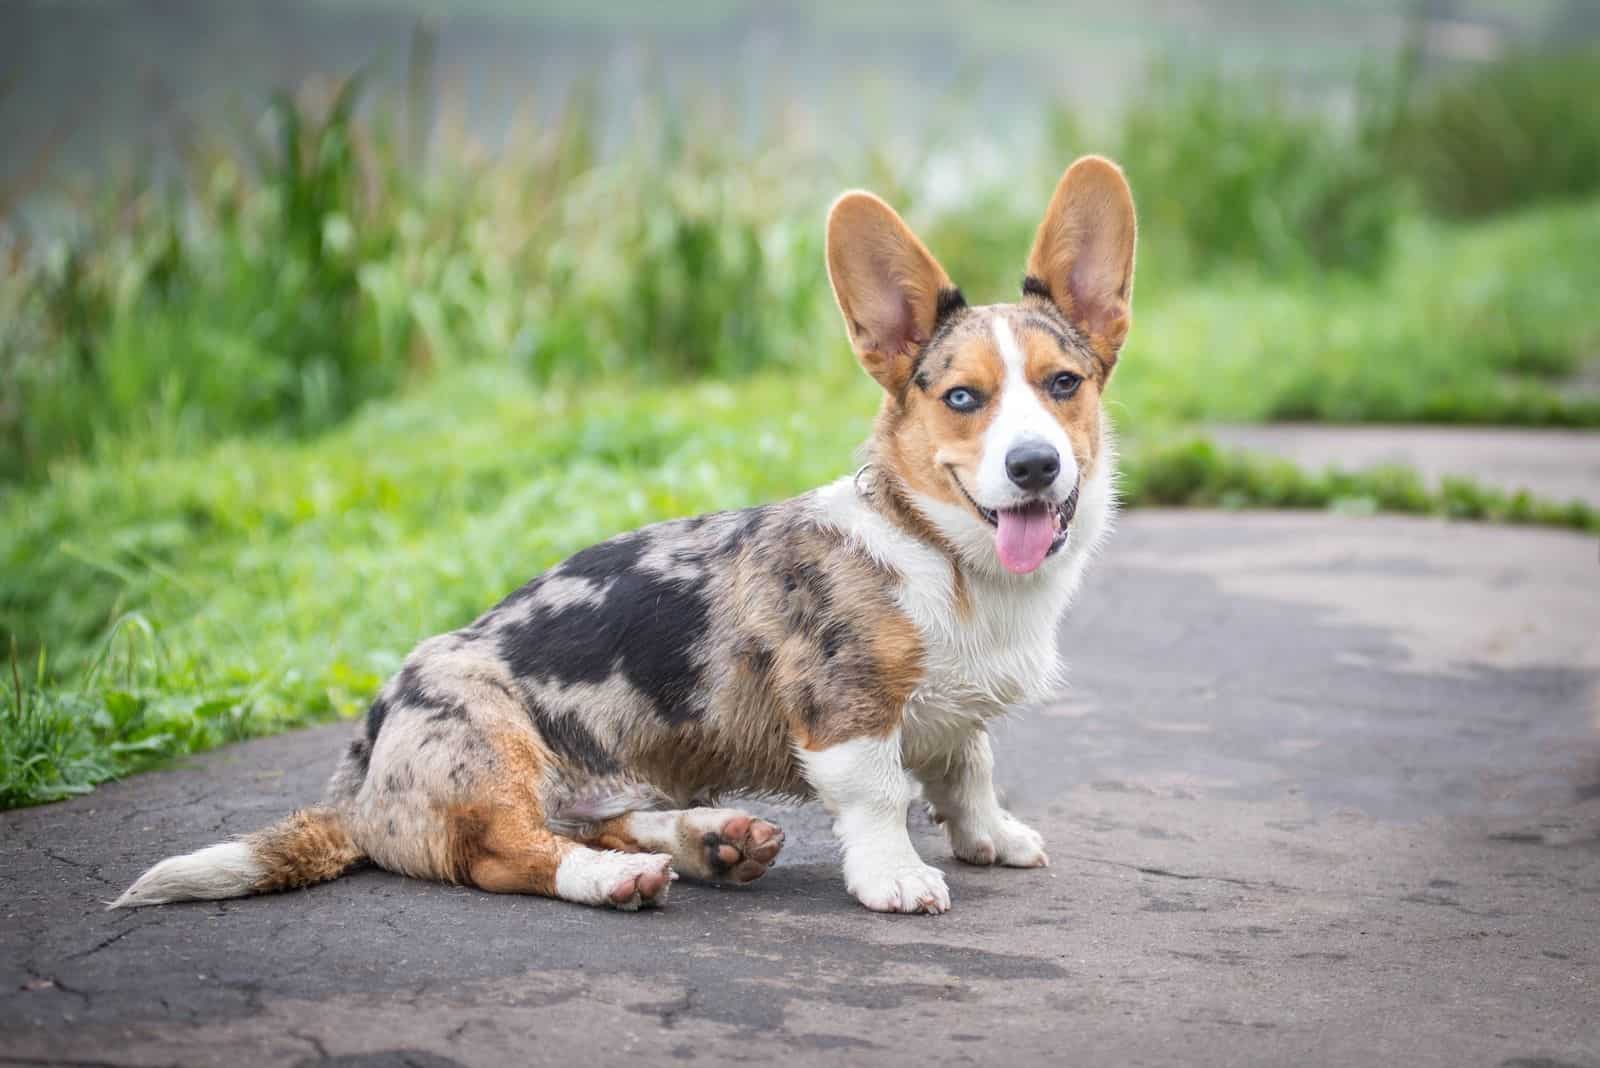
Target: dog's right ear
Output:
[(889, 287)]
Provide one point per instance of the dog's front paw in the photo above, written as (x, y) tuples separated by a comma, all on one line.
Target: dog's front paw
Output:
[(1017, 845), (900, 888), (1009, 841)]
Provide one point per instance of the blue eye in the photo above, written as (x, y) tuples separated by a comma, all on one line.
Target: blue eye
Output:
[(962, 399), (1065, 385)]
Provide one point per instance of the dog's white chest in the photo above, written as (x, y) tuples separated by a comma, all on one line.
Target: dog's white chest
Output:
[(1001, 652)]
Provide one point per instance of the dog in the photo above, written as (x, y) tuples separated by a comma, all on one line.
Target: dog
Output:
[(844, 645)]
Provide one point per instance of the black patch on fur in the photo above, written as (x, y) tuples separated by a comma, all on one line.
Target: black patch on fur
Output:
[(712, 843), (596, 563), (411, 691), (360, 754), (950, 311), (756, 655), (812, 709), (375, 718), (570, 740), (646, 627), (950, 302), (1034, 286), (408, 689), (835, 635), (1044, 325), (810, 610), (810, 600), (749, 524), (446, 711), (609, 558)]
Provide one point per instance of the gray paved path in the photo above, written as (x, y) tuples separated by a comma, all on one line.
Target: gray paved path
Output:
[(1325, 791), (1559, 465)]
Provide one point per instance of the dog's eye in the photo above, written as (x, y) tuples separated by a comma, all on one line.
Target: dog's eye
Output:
[(962, 399), (1065, 385)]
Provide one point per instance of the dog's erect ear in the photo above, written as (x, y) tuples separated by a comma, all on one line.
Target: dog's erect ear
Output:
[(890, 288), (1082, 257)]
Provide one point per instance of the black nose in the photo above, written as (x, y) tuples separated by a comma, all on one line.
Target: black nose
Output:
[(1033, 465)]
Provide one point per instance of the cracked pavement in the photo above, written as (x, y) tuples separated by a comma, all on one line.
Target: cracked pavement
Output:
[(1323, 790)]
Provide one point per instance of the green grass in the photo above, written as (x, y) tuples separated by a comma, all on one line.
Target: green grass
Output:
[(1465, 325)]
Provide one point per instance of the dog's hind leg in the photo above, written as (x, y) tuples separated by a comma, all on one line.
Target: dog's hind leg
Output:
[(455, 791), (507, 850), (715, 844)]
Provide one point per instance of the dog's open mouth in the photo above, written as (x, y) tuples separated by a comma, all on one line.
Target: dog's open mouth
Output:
[(1027, 534)]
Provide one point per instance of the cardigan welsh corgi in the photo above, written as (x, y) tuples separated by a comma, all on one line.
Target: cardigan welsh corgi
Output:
[(849, 645)]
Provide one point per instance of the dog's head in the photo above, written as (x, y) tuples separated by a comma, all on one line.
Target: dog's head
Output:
[(992, 417)]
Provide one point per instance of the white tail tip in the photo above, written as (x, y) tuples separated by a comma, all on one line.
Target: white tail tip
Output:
[(228, 869)]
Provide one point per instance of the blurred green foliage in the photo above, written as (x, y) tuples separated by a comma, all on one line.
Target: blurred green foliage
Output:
[(1235, 173), (1499, 137), (320, 258)]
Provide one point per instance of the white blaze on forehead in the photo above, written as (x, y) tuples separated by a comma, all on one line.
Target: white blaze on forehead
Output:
[(1021, 417)]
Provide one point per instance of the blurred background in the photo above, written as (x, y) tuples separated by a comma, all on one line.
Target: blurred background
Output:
[(323, 324)]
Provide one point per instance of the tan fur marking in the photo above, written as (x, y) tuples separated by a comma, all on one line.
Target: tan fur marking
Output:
[(504, 851), (499, 842), (612, 834), (897, 652), (310, 846)]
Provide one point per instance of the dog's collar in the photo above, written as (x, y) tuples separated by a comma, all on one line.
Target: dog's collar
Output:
[(856, 481)]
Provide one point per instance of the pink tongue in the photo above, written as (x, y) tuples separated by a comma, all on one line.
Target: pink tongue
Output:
[(1024, 537)]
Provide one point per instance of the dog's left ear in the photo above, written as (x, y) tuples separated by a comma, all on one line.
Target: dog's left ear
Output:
[(890, 289), (1082, 257)]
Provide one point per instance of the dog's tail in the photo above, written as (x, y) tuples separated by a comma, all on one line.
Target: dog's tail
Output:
[(311, 846)]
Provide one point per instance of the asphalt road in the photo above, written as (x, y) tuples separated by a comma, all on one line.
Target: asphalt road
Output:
[(1324, 791)]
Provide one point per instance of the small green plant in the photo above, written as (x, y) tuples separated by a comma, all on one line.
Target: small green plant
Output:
[(125, 710), (46, 751), (1195, 473)]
